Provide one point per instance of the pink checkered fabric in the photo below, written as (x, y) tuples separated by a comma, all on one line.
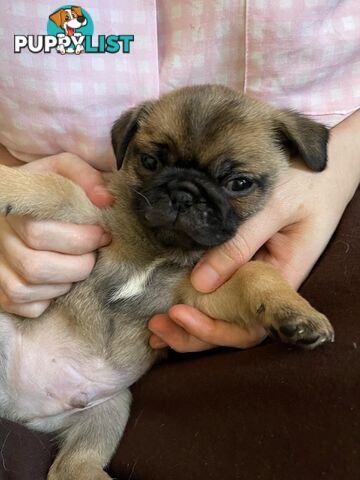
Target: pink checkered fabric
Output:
[(301, 54)]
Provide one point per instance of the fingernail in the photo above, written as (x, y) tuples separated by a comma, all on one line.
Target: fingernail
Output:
[(205, 278), (264, 337), (101, 190), (105, 239), (100, 196), (259, 333), (182, 318), (156, 342), (263, 334)]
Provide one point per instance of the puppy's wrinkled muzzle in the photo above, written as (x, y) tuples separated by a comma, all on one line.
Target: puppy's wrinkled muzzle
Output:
[(184, 207), (181, 200)]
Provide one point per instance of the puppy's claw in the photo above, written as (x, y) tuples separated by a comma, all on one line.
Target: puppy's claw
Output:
[(308, 330)]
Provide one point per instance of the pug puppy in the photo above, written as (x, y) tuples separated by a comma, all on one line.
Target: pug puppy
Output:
[(193, 166)]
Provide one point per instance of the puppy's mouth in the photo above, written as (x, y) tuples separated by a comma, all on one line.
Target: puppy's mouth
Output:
[(186, 209)]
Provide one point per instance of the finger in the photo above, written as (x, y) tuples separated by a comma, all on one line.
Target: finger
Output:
[(221, 262), (168, 333), (59, 237), (194, 331), (42, 267), (74, 168), (30, 310), (18, 291), (216, 332), (86, 176), (157, 343)]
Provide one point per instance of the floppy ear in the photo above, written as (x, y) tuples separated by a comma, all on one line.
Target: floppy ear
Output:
[(56, 17), (124, 130), (78, 11), (300, 135)]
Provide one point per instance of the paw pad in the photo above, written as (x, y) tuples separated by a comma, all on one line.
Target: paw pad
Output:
[(308, 331)]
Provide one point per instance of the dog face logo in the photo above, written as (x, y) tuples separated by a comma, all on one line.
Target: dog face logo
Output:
[(69, 19), (70, 29)]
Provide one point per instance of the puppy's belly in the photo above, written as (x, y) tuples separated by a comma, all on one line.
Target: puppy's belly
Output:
[(50, 373)]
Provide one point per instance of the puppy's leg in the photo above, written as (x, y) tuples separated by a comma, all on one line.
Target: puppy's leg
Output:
[(257, 294), (45, 197), (90, 441)]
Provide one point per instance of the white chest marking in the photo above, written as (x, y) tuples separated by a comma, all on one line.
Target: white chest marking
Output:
[(136, 284)]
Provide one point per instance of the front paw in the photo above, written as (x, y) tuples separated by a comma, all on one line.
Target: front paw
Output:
[(305, 327)]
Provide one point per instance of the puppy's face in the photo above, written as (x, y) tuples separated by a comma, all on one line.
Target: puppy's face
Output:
[(201, 160), (71, 17)]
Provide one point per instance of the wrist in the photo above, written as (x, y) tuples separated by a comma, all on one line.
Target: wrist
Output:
[(344, 156)]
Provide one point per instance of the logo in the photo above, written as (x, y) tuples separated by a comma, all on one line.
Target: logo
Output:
[(70, 31)]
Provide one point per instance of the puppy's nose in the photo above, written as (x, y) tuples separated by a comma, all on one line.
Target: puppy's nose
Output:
[(181, 200), (81, 19)]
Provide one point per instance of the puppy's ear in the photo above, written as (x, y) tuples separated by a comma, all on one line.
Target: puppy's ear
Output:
[(56, 17), (125, 128), (78, 11), (300, 135)]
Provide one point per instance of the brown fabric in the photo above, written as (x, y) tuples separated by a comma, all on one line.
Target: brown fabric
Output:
[(272, 412)]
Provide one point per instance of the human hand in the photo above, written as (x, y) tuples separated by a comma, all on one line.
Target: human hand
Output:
[(291, 233), (39, 260)]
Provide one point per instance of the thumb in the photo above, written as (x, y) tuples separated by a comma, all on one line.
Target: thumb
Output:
[(221, 262), (90, 179), (80, 172)]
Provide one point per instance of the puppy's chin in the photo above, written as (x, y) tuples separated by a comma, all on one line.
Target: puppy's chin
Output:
[(186, 210), (171, 239), (191, 239)]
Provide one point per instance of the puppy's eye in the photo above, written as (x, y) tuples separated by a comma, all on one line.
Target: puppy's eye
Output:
[(240, 185), (67, 17), (149, 162)]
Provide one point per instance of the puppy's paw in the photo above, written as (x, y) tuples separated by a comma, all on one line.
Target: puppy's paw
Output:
[(304, 327)]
